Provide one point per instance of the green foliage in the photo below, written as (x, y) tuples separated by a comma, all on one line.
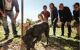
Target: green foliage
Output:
[(29, 21)]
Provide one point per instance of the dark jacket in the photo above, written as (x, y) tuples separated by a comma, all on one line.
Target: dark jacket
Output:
[(54, 14), (65, 14)]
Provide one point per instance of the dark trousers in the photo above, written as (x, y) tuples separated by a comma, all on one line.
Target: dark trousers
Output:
[(68, 25), (54, 23), (11, 15), (5, 24)]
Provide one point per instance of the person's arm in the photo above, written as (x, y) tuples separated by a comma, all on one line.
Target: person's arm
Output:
[(15, 3), (60, 15), (48, 14), (2, 14), (55, 15), (73, 14), (56, 12), (70, 14), (52, 18)]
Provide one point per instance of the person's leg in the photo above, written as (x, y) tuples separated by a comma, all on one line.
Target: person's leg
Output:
[(78, 31), (47, 34), (54, 26), (11, 15), (69, 28), (62, 27), (77, 28), (5, 26)]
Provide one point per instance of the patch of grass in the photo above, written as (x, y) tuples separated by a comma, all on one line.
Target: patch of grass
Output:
[(64, 40), (67, 48), (58, 32), (15, 40)]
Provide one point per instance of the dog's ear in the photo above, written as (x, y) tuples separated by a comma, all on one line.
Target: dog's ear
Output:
[(25, 26)]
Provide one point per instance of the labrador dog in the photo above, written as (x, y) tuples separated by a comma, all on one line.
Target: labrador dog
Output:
[(34, 34)]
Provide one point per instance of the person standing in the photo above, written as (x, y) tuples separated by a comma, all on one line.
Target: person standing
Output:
[(45, 13), (54, 16), (3, 18), (9, 5), (65, 16), (76, 13)]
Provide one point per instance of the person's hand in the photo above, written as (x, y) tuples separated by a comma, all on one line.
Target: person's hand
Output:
[(14, 20), (3, 15)]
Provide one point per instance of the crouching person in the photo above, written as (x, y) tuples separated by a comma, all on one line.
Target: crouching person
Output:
[(76, 14), (54, 17), (65, 16)]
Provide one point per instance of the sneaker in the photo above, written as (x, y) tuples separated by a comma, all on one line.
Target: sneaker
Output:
[(6, 36)]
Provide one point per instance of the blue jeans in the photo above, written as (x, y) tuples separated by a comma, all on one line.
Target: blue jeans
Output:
[(5, 24), (10, 14)]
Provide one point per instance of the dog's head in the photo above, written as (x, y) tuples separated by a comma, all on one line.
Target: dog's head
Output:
[(25, 27)]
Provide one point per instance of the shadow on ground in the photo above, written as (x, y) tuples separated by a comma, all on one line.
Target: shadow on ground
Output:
[(4, 46), (62, 43)]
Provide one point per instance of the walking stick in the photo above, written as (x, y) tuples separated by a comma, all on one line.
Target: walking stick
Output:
[(22, 6)]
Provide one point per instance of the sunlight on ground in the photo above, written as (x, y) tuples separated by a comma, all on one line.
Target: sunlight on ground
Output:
[(16, 42), (58, 33)]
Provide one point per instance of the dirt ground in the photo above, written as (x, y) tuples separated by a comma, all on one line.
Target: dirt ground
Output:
[(55, 43)]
